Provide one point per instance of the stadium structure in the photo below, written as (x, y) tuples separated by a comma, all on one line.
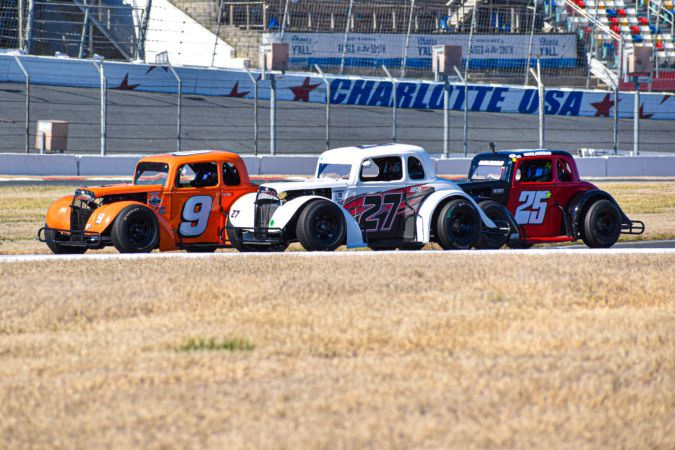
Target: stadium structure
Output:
[(597, 36)]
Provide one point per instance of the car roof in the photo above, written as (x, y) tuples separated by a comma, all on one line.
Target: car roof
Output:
[(508, 154), (193, 156), (359, 152)]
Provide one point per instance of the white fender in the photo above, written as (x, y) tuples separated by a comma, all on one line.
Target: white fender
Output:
[(290, 209), (426, 212), (242, 211)]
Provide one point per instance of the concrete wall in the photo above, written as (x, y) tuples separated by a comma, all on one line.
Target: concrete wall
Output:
[(72, 165)]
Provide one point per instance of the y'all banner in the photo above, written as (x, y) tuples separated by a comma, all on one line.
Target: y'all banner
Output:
[(375, 49), (304, 87)]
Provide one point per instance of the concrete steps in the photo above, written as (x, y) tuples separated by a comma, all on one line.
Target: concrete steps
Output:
[(246, 43)]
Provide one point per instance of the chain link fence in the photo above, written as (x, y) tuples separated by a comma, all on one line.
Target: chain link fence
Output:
[(113, 118)]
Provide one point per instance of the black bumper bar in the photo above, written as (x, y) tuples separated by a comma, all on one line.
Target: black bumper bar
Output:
[(72, 238)]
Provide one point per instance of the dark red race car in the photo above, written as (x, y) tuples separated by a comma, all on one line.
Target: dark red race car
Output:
[(540, 195)]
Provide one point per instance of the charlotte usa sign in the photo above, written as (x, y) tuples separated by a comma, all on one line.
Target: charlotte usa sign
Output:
[(374, 50), (307, 87)]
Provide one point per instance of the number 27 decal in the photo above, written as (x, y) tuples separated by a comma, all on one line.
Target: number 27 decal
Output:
[(532, 208)]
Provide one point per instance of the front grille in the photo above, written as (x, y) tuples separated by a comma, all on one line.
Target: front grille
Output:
[(80, 210), (265, 204)]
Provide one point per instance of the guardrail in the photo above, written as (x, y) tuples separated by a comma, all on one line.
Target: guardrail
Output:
[(75, 165)]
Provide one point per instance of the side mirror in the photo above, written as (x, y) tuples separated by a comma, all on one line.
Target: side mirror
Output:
[(367, 163)]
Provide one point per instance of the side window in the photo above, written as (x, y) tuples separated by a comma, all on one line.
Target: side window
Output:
[(386, 168), (230, 174), (197, 175), (415, 168), (535, 171), (564, 171)]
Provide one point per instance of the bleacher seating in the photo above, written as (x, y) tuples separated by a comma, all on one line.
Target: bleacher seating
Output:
[(637, 23)]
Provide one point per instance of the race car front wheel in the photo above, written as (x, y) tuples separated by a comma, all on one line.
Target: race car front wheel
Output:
[(61, 249), (495, 212), (321, 226), (458, 225), (602, 224), (135, 230)]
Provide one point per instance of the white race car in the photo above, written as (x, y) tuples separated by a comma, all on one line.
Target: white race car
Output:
[(381, 196)]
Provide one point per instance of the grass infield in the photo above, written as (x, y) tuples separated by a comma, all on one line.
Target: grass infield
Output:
[(435, 350)]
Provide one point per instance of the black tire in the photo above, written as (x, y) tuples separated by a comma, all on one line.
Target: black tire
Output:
[(62, 249), (135, 230), (321, 226), (494, 211), (458, 225), (518, 245), (602, 224)]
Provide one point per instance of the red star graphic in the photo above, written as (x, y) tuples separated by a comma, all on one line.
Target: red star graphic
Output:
[(664, 99), (642, 112), (125, 86), (302, 92), (235, 92), (602, 108)]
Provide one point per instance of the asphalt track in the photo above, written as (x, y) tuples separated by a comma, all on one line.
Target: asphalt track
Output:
[(141, 122), (625, 248)]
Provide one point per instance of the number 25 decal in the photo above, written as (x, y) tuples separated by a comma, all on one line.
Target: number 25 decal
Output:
[(532, 208), (195, 215)]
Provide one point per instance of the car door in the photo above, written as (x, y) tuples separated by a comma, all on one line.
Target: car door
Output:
[(533, 196), (195, 203), (380, 195)]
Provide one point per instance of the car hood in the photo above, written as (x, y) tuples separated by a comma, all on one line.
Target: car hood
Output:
[(116, 189), (314, 183)]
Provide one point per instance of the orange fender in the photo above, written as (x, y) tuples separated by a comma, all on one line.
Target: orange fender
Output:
[(58, 213), (102, 218)]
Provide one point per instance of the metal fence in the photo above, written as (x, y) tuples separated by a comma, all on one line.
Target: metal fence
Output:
[(115, 119), (580, 42)]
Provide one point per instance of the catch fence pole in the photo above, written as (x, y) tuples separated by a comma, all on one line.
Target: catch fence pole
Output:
[(255, 110), (215, 44), (104, 105), (636, 119), (273, 115), (407, 38), (344, 42), (327, 83), (615, 131), (179, 113), (529, 45), (27, 126), (394, 101)]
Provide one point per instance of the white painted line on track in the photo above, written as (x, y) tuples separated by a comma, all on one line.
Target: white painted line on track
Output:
[(341, 254)]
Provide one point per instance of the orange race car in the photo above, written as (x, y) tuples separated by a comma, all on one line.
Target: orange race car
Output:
[(176, 201)]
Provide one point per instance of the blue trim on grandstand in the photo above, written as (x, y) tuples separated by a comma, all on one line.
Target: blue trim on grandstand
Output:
[(425, 63)]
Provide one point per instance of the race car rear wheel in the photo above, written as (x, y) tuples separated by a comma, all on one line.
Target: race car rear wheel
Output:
[(495, 212), (135, 230), (458, 225), (321, 226), (602, 224), (61, 249)]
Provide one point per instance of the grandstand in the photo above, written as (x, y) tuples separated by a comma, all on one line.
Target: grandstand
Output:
[(579, 41)]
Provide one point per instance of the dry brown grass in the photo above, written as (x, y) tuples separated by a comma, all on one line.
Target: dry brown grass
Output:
[(22, 211), (346, 351)]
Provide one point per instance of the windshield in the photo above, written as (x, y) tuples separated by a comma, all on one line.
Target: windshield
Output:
[(488, 170), (151, 173), (338, 171)]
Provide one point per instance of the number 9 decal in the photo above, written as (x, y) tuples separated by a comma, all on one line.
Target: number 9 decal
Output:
[(195, 215)]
